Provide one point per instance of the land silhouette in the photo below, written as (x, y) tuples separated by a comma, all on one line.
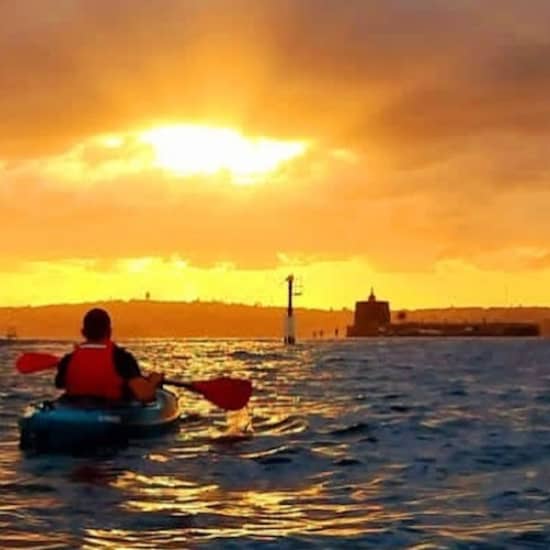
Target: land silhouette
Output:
[(144, 318), (149, 319)]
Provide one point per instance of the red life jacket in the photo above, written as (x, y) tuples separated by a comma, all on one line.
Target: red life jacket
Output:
[(91, 372)]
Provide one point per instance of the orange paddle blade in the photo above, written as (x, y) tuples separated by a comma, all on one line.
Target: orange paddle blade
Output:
[(35, 362), (231, 394), (227, 393)]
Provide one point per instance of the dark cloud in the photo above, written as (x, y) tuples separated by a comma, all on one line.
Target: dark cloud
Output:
[(424, 70)]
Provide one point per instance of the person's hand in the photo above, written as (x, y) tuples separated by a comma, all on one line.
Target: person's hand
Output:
[(156, 378)]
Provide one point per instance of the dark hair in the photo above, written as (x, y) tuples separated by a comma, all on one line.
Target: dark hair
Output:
[(96, 324)]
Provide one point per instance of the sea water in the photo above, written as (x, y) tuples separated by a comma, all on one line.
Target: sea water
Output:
[(397, 443)]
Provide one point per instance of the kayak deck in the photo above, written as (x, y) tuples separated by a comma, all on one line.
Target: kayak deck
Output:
[(69, 425)]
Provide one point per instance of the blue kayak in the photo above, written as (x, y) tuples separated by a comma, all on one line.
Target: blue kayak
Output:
[(82, 424)]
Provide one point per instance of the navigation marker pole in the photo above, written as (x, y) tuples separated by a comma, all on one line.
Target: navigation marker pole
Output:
[(290, 325)]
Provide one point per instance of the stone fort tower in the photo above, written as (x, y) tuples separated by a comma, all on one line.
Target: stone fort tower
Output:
[(371, 317)]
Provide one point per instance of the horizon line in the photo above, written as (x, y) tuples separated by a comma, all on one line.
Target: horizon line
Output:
[(260, 305)]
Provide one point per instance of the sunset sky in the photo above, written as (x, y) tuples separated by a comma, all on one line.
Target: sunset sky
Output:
[(207, 149)]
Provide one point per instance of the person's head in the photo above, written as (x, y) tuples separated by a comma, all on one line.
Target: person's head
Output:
[(96, 325)]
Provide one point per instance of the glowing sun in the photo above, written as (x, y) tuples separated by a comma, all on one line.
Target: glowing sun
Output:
[(193, 149)]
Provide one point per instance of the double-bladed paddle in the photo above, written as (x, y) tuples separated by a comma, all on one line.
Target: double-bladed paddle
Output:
[(227, 393)]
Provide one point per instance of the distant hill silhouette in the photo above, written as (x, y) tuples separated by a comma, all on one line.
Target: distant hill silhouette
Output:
[(143, 319), (140, 318)]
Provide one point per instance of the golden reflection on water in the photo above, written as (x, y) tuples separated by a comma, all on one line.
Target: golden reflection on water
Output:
[(156, 457), (307, 507), (267, 513)]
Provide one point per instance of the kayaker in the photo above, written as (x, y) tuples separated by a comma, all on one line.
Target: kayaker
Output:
[(99, 368)]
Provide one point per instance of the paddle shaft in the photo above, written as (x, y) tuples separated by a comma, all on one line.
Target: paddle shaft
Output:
[(224, 392), (180, 384)]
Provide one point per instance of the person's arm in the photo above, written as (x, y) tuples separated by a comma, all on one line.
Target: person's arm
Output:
[(142, 388), (61, 375)]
